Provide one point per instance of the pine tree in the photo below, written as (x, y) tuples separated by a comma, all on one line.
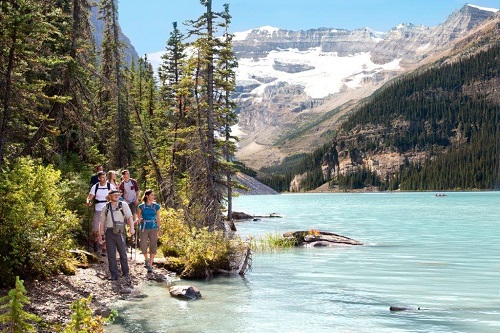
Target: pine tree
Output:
[(225, 84), (113, 115), (209, 191), (69, 86), (25, 64), (13, 316), (175, 99)]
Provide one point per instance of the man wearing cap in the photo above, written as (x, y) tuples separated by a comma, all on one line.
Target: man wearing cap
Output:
[(113, 217)]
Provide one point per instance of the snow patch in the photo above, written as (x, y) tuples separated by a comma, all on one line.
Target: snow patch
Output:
[(424, 47), (268, 29), (155, 59), (494, 10), (329, 75), (244, 34)]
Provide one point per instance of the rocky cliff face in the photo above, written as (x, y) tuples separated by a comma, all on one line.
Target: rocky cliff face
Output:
[(413, 43), (129, 49), (293, 87), (258, 43)]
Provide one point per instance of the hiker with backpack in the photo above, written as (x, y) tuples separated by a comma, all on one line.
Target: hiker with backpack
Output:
[(130, 192), (97, 196), (115, 215), (95, 178), (149, 217)]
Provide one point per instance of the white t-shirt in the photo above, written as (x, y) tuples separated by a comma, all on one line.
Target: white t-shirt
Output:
[(102, 192)]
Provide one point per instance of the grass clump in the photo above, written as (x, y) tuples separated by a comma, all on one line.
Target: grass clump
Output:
[(271, 242)]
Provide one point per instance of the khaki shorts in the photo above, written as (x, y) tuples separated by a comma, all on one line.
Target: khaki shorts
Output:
[(133, 207), (152, 234), (97, 220)]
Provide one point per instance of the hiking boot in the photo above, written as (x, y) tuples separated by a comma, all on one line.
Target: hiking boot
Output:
[(150, 269), (113, 278), (127, 280)]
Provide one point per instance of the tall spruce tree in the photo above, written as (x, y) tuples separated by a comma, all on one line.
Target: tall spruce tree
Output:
[(115, 118), (209, 190), (70, 84), (25, 64), (225, 83), (175, 101), (143, 102)]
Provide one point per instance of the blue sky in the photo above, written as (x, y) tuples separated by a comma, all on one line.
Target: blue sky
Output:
[(148, 23)]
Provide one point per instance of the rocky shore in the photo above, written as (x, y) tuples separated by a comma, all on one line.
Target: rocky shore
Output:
[(51, 299)]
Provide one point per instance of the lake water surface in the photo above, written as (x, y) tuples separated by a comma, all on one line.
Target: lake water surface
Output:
[(441, 254)]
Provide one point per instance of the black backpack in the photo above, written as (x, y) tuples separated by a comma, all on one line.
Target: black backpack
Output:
[(97, 188), (118, 226), (108, 207)]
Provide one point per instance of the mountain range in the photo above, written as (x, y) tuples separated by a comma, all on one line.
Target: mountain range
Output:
[(294, 88)]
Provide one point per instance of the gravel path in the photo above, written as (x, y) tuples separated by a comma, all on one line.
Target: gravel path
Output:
[(51, 299)]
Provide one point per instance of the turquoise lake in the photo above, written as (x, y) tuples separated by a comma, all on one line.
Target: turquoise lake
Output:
[(441, 254)]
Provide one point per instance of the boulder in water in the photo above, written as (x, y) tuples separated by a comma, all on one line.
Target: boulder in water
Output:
[(185, 292)]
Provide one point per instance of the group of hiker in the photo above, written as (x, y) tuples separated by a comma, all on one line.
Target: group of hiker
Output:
[(115, 205)]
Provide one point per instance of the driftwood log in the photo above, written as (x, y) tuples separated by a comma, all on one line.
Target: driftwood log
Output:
[(314, 238), (245, 216)]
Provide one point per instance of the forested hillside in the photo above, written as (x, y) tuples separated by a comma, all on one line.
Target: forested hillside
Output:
[(444, 122), (65, 108)]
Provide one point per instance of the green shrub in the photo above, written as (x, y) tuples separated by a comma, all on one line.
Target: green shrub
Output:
[(82, 320), (36, 228), (193, 252), (12, 314), (74, 189)]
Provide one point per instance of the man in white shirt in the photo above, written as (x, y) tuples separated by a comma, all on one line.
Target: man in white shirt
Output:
[(97, 195)]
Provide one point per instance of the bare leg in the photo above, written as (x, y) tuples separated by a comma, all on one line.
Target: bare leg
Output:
[(97, 241), (102, 241), (151, 259)]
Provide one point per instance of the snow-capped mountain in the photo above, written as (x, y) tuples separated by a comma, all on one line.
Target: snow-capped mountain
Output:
[(322, 67), (298, 84), (290, 81)]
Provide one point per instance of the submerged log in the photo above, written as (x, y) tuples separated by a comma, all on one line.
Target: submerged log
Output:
[(402, 308), (245, 216), (313, 238)]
